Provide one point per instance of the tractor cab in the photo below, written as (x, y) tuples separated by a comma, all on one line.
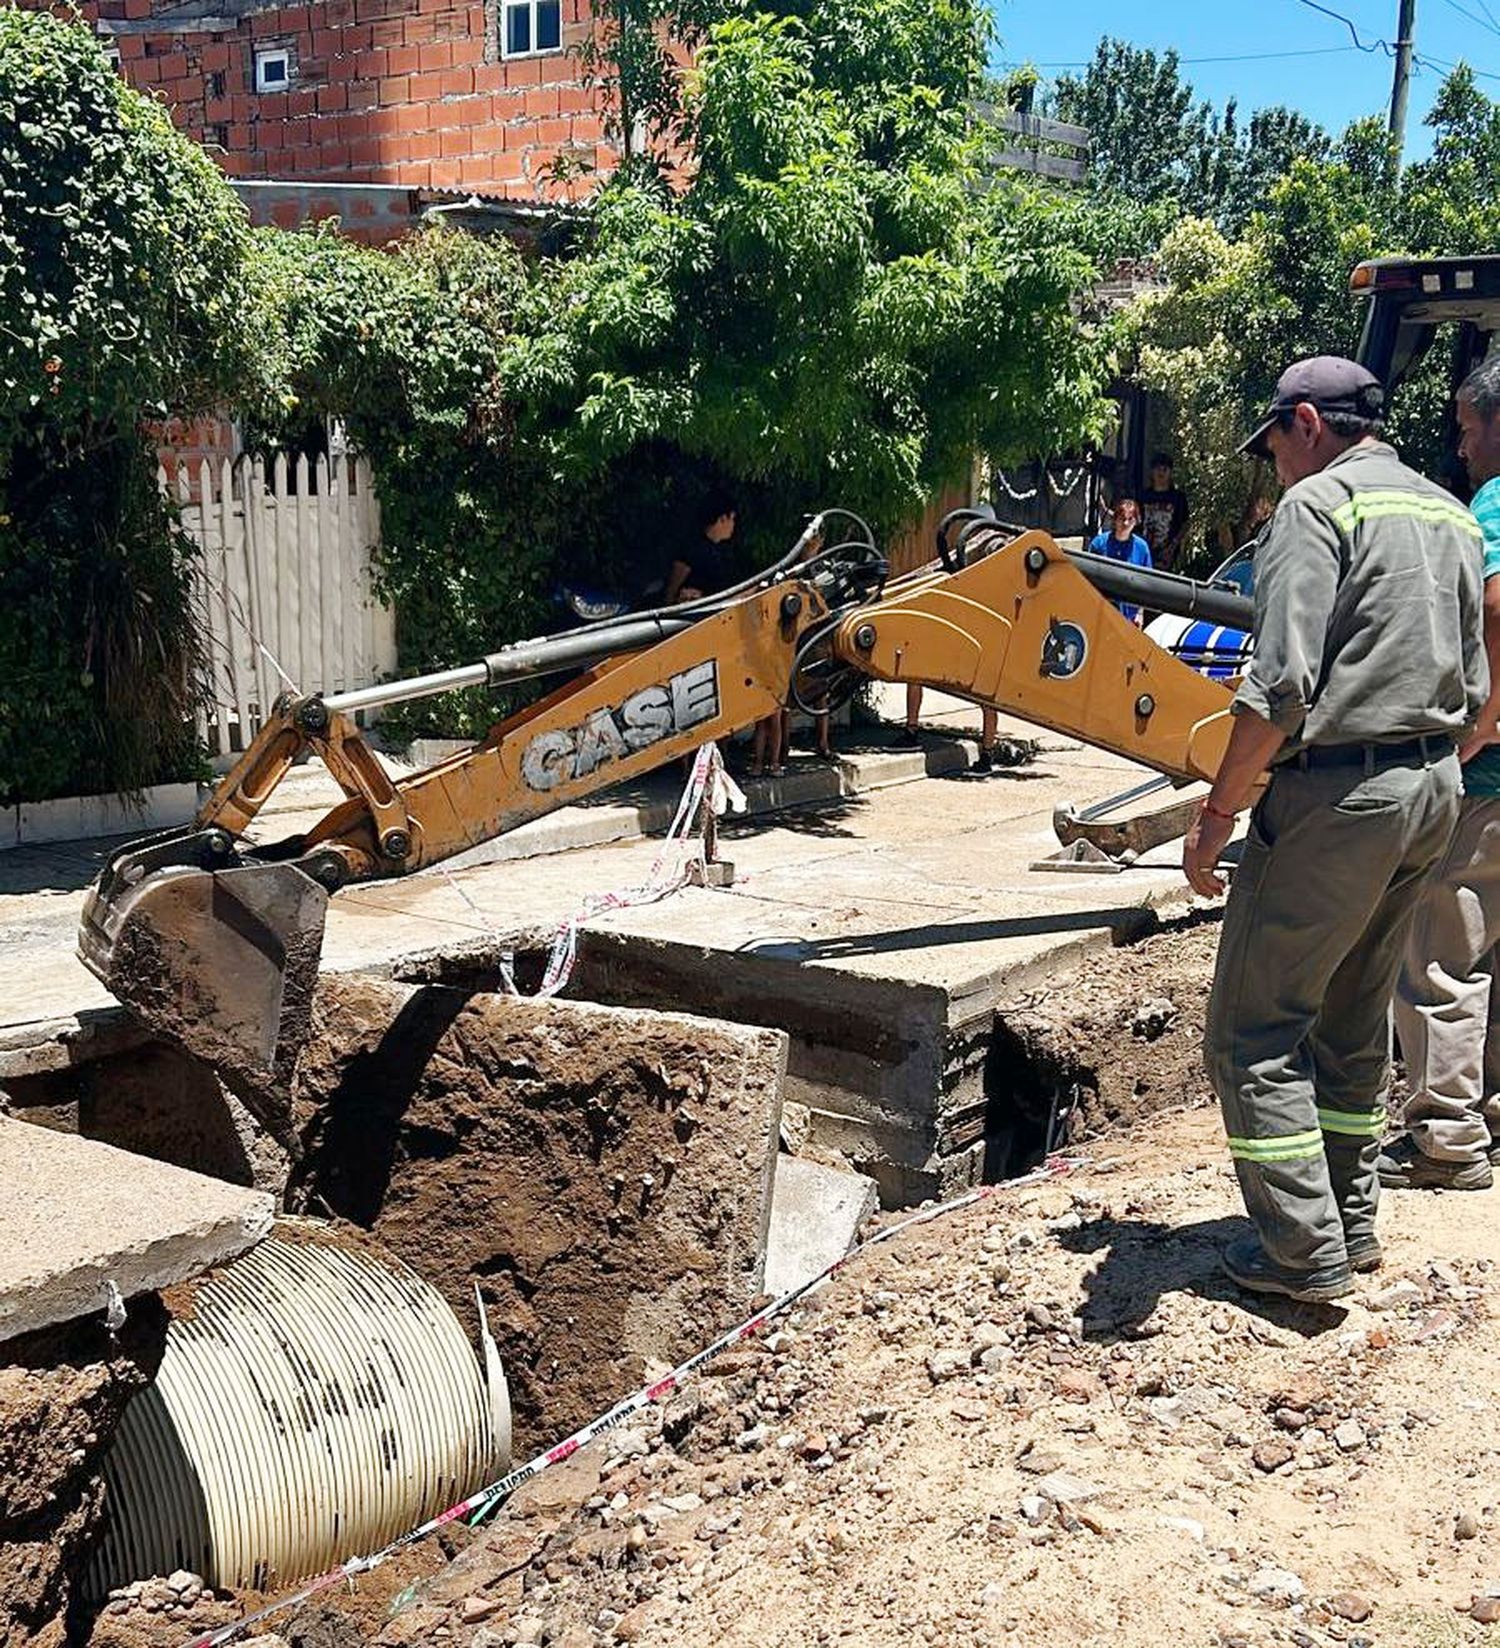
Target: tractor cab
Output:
[(1409, 300)]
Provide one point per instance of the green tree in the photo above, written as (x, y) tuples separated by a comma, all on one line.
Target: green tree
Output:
[(826, 308), (1233, 312), (1205, 342), (1156, 142), (1146, 125), (121, 284)]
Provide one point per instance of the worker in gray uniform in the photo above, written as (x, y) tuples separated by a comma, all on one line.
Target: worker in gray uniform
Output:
[(1448, 987), (1369, 665)]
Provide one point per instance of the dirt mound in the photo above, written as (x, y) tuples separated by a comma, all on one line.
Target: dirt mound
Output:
[(62, 1391), (602, 1176), (1046, 1420), (1120, 1036)]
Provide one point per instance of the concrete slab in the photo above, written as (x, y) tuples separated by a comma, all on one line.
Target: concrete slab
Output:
[(816, 1212), (79, 1215), (48, 999)]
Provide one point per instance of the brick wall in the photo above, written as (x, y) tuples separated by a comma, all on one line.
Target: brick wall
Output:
[(410, 92)]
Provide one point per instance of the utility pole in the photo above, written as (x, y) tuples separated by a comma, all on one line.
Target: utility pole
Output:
[(1406, 31)]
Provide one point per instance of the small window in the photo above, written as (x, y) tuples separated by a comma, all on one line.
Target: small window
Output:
[(273, 70), (531, 27), (111, 53)]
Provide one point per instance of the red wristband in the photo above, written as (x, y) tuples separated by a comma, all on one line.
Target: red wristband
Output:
[(1218, 812)]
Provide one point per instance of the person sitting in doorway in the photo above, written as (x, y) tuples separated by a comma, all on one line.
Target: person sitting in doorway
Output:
[(705, 566), (1123, 543)]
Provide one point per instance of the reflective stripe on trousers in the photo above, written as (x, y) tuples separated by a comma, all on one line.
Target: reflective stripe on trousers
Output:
[(1297, 1036)]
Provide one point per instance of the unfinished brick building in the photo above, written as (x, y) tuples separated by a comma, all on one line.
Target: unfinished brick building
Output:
[(482, 96)]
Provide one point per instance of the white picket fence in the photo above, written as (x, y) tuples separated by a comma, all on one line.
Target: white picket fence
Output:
[(285, 590)]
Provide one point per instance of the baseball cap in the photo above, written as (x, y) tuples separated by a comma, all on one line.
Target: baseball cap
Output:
[(1330, 383)]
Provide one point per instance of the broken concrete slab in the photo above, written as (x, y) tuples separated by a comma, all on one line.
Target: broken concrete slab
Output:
[(884, 940), (81, 1219), (816, 1212), (603, 1175)]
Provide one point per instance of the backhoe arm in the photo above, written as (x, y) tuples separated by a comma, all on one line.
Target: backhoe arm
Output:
[(1023, 629), (217, 944)]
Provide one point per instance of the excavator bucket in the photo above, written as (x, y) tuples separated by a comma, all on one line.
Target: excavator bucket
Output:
[(215, 951)]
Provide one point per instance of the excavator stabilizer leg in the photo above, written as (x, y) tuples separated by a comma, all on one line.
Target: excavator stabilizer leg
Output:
[(213, 951)]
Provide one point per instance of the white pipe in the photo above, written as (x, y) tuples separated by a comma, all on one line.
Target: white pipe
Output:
[(316, 1401)]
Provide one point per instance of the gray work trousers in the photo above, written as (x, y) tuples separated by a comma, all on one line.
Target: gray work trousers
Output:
[(1442, 1006), (1297, 1041)]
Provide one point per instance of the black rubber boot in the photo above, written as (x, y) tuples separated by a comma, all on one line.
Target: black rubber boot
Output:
[(1251, 1267)]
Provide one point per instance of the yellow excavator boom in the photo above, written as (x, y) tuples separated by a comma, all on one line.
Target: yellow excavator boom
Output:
[(216, 944)]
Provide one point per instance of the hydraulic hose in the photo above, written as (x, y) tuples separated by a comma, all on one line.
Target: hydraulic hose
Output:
[(1166, 591)]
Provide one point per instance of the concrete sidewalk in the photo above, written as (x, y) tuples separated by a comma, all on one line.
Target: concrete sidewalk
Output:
[(846, 865)]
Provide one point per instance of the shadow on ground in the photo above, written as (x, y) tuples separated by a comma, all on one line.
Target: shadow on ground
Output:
[(1142, 1259), (820, 819), (64, 867), (1127, 924)]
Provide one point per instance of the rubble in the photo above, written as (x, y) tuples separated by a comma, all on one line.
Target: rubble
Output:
[(919, 1455)]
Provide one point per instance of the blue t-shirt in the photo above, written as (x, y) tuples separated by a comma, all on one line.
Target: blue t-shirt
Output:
[(1133, 549), (1482, 774)]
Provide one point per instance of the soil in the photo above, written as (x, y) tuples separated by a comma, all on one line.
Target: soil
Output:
[(601, 1175), (62, 1391), (1048, 1419), (1122, 1034)]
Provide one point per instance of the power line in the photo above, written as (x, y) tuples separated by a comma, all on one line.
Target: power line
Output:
[(1338, 17), (1439, 63), (1473, 16), (1188, 62)]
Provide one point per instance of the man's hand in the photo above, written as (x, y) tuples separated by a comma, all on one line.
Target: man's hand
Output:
[(1253, 742), (1474, 743), (1200, 852)]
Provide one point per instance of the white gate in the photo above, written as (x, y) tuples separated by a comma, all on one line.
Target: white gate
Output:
[(285, 588)]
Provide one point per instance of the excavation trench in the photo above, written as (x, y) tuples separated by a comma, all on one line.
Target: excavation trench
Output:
[(601, 1168)]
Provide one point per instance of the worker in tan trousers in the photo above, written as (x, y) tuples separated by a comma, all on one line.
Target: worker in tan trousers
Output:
[(1444, 998)]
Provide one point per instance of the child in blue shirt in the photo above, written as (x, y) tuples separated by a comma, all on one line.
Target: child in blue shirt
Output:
[(1123, 543)]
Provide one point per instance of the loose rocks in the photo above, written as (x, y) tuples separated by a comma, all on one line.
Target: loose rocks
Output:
[(1272, 1454), (1276, 1585)]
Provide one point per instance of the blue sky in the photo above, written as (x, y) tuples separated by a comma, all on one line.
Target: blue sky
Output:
[(1334, 87)]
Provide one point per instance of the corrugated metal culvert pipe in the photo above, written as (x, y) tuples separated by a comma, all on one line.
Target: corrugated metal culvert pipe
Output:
[(315, 1401)]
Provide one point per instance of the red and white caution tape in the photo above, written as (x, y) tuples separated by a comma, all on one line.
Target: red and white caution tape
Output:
[(709, 788), (489, 1498)]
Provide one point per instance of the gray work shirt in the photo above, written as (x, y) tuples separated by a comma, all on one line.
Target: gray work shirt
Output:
[(1368, 608)]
